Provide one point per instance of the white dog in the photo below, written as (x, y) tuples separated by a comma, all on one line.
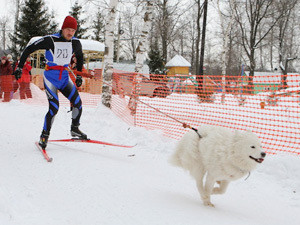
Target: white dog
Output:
[(220, 154)]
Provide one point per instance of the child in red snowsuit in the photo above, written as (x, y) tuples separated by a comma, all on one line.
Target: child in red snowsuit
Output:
[(24, 81)]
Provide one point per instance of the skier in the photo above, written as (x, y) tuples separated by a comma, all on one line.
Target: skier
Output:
[(59, 50)]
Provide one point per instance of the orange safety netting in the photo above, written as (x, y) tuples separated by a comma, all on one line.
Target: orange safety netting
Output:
[(90, 90), (269, 106)]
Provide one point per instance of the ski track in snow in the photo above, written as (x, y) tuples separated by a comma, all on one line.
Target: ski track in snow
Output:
[(88, 184)]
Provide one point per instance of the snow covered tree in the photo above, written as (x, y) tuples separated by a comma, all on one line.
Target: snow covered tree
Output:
[(34, 21), (98, 26), (76, 11)]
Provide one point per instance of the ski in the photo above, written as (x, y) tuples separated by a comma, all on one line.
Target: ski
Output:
[(43, 151), (91, 141)]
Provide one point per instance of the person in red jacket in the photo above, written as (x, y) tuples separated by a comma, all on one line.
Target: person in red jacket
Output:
[(24, 81), (6, 72)]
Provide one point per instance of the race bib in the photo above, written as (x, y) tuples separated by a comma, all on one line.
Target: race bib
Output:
[(62, 53)]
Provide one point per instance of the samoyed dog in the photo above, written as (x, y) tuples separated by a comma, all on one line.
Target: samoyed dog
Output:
[(219, 153)]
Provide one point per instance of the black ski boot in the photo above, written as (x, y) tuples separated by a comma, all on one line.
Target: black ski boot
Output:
[(44, 139), (75, 132)]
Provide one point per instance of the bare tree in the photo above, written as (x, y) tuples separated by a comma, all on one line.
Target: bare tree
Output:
[(199, 76), (142, 48), (13, 38), (109, 42), (131, 26), (18, 6), (3, 29), (132, 33), (193, 32), (225, 29), (252, 16), (198, 36), (167, 17), (283, 46)]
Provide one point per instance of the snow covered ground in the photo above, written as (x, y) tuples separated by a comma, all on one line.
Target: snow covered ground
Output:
[(88, 184)]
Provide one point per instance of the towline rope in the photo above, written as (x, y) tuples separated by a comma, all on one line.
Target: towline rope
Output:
[(185, 125)]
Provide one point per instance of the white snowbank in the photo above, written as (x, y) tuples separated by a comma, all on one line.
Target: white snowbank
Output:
[(94, 184)]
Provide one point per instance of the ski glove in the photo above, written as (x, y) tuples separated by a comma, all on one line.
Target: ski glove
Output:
[(18, 73), (78, 81)]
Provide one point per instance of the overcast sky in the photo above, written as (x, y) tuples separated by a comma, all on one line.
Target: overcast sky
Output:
[(61, 7)]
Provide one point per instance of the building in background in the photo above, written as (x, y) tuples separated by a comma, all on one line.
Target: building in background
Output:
[(178, 66)]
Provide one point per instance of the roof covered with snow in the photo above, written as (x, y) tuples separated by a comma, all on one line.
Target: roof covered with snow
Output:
[(92, 45), (87, 45), (178, 61)]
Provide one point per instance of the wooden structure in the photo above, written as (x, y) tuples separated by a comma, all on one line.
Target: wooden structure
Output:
[(178, 66)]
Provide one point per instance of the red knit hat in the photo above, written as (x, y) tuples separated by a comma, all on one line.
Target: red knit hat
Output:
[(3, 58), (69, 22)]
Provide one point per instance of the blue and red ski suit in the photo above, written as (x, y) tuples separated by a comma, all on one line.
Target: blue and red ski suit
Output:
[(58, 55)]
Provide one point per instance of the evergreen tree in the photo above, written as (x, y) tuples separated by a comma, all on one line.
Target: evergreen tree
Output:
[(156, 63), (76, 11), (53, 26), (34, 21), (98, 26)]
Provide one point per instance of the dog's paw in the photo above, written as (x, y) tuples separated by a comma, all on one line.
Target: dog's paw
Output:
[(209, 204)]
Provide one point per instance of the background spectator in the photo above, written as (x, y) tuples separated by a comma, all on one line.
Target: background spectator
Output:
[(24, 81), (10, 59), (6, 79)]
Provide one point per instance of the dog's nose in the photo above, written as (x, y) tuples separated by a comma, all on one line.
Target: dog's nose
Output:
[(263, 154)]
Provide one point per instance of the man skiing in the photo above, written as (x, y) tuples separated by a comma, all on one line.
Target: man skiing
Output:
[(59, 50)]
